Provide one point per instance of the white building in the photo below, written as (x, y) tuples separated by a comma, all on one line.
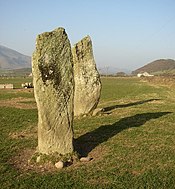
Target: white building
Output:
[(144, 74)]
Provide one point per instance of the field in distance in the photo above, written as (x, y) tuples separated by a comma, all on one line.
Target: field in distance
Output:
[(132, 142)]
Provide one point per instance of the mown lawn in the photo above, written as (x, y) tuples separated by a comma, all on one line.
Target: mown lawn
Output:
[(132, 143)]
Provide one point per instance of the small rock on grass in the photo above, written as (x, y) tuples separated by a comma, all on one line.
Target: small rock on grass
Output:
[(85, 159), (59, 165), (38, 159), (97, 111)]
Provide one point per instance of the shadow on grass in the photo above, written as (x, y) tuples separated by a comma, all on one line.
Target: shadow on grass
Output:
[(87, 142), (106, 109)]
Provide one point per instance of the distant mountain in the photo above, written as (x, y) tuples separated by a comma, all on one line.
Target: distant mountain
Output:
[(11, 59), (157, 66)]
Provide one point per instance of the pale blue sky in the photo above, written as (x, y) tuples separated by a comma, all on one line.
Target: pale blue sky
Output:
[(125, 33)]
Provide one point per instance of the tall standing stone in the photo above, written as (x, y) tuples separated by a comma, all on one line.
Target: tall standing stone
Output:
[(52, 67), (87, 78)]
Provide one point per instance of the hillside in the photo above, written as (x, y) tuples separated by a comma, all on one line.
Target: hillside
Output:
[(11, 59), (157, 66), (16, 72)]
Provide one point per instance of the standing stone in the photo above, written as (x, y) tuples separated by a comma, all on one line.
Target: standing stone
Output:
[(52, 67), (87, 78)]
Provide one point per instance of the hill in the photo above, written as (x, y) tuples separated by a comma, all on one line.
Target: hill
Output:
[(157, 66), (11, 59)]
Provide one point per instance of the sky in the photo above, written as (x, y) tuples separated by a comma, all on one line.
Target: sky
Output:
[(125, 34)]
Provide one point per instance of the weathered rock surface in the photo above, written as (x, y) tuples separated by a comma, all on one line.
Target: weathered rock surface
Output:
[(52, 68), (87, 78)]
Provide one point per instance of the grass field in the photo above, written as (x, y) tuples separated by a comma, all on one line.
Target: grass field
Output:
[(132, 143)]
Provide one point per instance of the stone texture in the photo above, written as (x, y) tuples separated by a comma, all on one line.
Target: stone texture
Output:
[(52, 67), (87, 78)]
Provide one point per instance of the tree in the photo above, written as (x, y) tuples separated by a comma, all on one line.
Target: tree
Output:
[(120, 74)]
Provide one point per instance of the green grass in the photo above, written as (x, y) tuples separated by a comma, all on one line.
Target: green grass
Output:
[(16, 92), (132, 143)]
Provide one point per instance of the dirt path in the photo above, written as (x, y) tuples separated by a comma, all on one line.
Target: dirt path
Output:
[(21, 103)]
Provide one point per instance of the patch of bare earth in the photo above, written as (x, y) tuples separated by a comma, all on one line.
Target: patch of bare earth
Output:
[(97, 154), (22, 161), (30, 132), (21, 103)]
